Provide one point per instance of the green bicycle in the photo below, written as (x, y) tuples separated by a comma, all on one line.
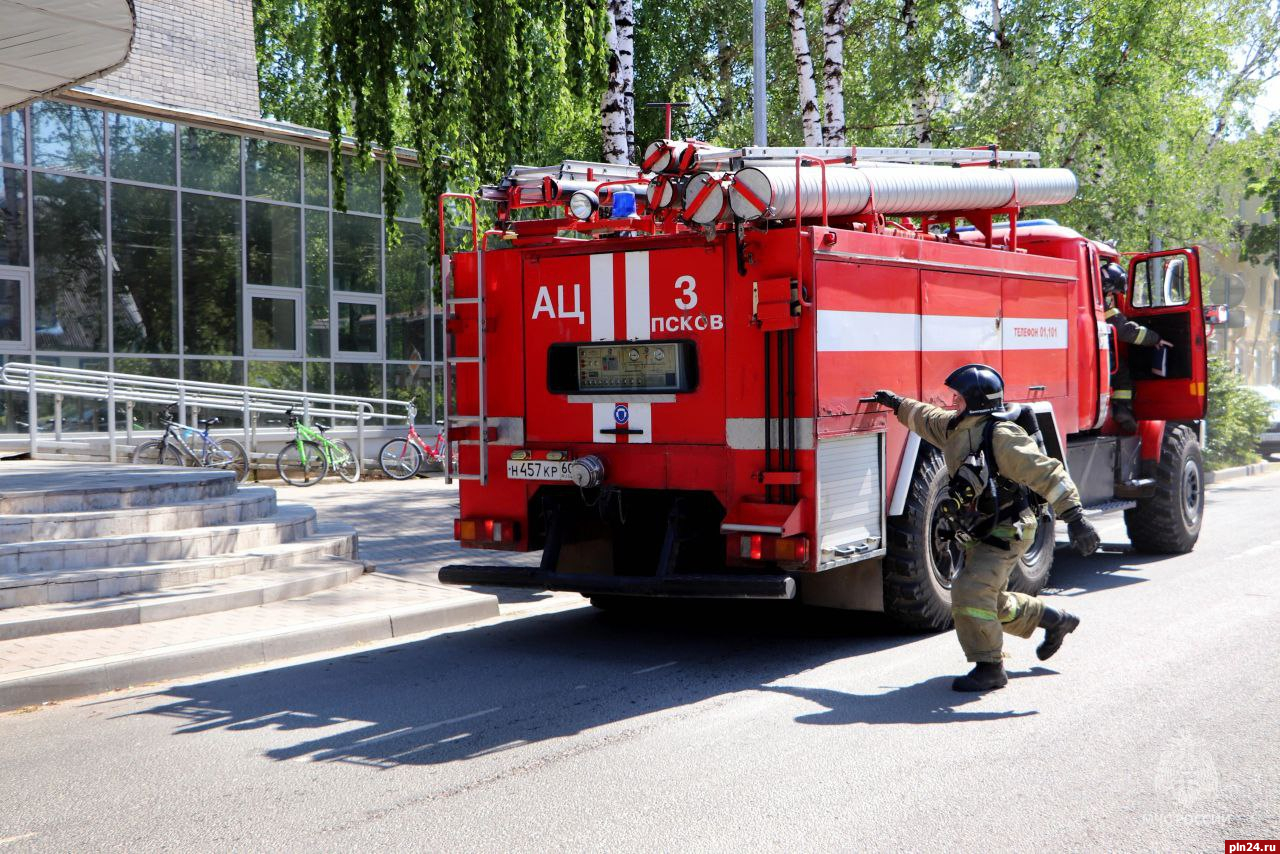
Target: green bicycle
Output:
[(312, 455)]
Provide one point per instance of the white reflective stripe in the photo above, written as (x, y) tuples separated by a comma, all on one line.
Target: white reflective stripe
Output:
[(1059, 489), (941, 334), (878, 332), (747, 434), (867, 331), (602, 419), (637, 265), (602, 297), (641, 419), (1104, 335), (1033, 333)]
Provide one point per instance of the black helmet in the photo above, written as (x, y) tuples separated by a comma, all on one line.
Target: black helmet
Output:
[(981, 387), (1114, 278)]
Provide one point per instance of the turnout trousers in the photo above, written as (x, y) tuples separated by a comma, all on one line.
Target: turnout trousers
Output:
[(982, 605)]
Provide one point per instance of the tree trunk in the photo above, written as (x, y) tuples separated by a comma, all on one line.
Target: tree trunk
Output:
[(921, 107), (834, 14), (810, 116), (613, 107), (625, 16)]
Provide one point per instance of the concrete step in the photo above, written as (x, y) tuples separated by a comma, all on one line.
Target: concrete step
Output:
[(221, 594), (371, 608), (45, 487), (60, 585), (247, 504), (288, 523)]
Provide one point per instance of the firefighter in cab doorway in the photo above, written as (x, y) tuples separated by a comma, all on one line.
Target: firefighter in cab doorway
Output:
[(1000, 478), (1114, 283)]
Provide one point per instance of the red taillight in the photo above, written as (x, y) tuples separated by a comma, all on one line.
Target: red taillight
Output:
[(780, 549), (484, 530)]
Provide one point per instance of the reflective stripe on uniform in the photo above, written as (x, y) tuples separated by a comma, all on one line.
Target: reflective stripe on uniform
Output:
[(1122, 394), (1059, 489), (1144, 335), (976, 613), (1013, 611), (1111, 312)]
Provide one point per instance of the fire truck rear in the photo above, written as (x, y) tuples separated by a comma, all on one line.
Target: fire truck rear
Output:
[(666, 386)]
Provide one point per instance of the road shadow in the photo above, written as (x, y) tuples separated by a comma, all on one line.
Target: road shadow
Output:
[(465, 694), (1113, 566), (928, 702)]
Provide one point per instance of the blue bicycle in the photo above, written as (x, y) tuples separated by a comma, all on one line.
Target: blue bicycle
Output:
[(186, 446)]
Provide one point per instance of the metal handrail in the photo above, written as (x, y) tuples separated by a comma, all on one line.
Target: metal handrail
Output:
[(115, 387)]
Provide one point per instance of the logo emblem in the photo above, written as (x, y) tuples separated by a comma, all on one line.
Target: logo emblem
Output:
[(621, 414)]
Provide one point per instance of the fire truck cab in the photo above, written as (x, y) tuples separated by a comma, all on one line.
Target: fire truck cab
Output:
[(668, 397)]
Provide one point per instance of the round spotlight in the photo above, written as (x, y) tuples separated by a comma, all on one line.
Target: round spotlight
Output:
[(583, 204)]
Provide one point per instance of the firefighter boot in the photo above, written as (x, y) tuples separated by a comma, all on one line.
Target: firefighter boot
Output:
[(1057, 625), (985, 676)]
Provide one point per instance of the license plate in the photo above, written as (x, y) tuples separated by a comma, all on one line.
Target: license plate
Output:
[(538, 470)]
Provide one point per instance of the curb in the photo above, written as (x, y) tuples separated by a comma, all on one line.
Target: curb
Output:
[(1250, 470), (80, 679)]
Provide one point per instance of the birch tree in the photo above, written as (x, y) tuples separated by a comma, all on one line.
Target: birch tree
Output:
[(617, 108), (810, 115), (834, 15)]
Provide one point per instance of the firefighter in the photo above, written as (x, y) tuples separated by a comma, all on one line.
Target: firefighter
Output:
[(980, 445), (1114, 283)]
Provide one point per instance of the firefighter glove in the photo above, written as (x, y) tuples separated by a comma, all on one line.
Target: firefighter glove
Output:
[(884, 397), (1084, 537)]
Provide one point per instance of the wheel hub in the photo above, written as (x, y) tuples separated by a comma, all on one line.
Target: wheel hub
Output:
[(945, 552), (1192, 492)]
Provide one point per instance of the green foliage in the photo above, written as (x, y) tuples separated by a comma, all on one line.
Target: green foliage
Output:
[(1236, 419), (1262, 242)]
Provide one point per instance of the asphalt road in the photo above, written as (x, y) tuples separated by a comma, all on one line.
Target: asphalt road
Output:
[(750, 727)]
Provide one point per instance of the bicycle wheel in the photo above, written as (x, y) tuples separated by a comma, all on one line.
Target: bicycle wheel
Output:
[(346, 462), (400, 459), (156, 453), (301, 466), (230, 455)]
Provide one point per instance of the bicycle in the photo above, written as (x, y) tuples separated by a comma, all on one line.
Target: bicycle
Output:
[(402, 458), (175, 447), (312, 455)]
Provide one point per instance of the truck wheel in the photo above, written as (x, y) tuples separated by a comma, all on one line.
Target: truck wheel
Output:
[(1169, 521), (920, 560), (1032, 572)]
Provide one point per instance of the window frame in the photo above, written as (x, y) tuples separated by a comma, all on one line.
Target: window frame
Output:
[(294, 295), (26, 297), (378, 302)]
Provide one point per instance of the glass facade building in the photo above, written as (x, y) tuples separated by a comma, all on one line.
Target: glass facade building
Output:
[(143, 244)]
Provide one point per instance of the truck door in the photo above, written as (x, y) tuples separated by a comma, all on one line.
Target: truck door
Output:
[(1165, 296)]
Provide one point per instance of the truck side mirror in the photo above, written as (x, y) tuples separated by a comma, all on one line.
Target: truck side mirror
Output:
[(1216, 315)]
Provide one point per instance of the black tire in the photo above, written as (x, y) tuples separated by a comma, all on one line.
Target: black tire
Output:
[(156, 453), (400, 459), (1169, 522), (346, 462), (229, 455), (298, 470), (919, 564), (1031, 573)]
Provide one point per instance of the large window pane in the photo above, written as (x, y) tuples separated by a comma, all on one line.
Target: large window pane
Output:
[(147, 416), (13, 217), (275, 324), (141, 149), (145, 284), (411, 382), (315, 164), (210, 160), (225, 372), (364, 185), (67, 137), (357, 327), (361, 379), (274, 244), (407, 295), (11, 310), (71, 276), (286, 376), (411, 204), (319, 378), (271, 170), (13, 137), (211, 274), (317, 283), (357, 243)]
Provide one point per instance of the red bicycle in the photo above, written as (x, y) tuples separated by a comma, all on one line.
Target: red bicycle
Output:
[(401, 459)]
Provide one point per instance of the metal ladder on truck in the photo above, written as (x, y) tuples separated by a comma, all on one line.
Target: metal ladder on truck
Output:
[(460, 426)]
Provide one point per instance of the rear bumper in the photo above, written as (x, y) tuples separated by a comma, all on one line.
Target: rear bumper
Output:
[(773, 586)]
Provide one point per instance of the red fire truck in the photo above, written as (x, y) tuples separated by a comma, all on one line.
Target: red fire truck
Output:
[(665, 385)]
